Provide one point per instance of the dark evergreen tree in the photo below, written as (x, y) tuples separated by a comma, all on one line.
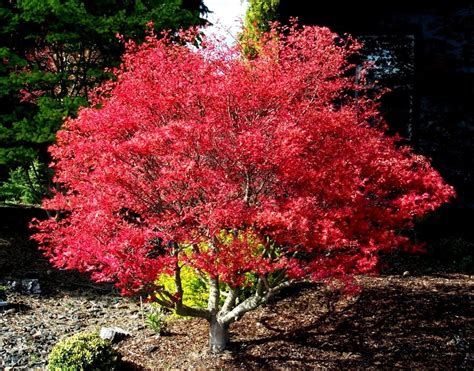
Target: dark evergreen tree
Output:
[(52, 53)]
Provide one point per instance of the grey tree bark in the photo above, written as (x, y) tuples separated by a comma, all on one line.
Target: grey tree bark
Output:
[(218, 335), (220, 317)]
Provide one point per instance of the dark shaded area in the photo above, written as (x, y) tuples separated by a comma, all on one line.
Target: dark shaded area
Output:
[(414, 322), (16, 218), (449, 239), (16, 307), (129, 366), (20, 257), (395, 322), (424, 52)]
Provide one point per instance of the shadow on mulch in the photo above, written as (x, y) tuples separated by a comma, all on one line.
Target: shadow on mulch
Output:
[(128, 366), (16, 307), (403, 324), (396, 322)]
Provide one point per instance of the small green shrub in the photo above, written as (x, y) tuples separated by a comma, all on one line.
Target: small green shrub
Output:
[(156, 320), (82, 352), (26, 185)]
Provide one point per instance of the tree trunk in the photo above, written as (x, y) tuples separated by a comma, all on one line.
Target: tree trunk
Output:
[(218, 335)]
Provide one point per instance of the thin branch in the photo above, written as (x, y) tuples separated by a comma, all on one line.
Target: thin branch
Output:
[(265, 283), (230, 300), (214, 293), (252, 303), (165, 299), (164, 303), (184, 310), (180, 308), (258, 288), (247, 188)]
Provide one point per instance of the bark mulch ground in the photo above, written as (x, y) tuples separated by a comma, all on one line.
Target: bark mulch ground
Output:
[(410, 317)]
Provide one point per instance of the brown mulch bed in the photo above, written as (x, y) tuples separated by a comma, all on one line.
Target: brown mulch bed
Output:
[(414, 320), (402, 322)]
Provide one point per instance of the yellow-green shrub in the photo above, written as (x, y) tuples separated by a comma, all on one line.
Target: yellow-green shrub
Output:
[(82, 352), (194, 287)]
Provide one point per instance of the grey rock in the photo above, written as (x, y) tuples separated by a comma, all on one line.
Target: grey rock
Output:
[(24, 286), (114, 334), (31, 287)]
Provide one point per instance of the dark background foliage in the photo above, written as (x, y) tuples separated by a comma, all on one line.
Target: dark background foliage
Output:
[(52, 54)]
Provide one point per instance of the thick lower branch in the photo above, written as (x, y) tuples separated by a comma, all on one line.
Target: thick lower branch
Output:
[(230, 300), (184, 310), (214, 293), (252, 303)]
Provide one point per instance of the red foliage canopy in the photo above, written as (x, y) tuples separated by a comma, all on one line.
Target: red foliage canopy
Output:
[(248, 166)]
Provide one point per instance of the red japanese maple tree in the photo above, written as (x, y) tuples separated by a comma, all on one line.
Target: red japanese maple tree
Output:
[(256, 173)]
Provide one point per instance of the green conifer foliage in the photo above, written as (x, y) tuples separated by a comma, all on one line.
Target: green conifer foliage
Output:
[(52, 53), (260, 14)]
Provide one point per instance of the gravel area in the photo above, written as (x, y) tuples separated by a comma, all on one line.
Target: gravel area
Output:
[(32, 325), (69, 303)]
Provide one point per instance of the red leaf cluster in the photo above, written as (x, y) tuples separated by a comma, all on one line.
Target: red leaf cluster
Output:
[(277, 151)]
